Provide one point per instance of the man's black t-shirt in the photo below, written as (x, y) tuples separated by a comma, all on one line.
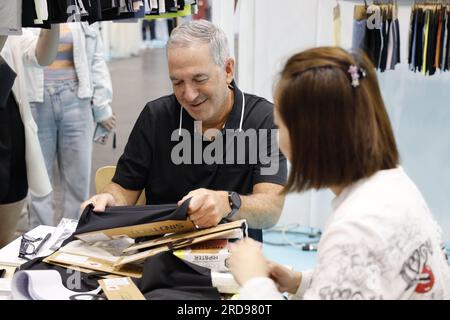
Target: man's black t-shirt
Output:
[(152, 158)]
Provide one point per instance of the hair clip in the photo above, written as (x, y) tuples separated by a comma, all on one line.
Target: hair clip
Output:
[(363, 72), (356, 73), (353, 70)]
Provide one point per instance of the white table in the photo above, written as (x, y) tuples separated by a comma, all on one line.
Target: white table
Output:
[(9, 253), (9, 259)]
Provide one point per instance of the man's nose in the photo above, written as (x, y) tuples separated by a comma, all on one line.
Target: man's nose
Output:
[(190, 93)]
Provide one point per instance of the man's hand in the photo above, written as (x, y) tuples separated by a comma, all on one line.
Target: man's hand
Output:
[(286, 280), (247, 261), (100, 202), (207, 207), (109, 123)]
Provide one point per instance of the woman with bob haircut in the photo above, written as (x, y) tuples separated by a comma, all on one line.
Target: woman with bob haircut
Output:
[(381, 241)]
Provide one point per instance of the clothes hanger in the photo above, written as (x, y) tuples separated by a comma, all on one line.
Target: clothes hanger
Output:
[(360, 11)]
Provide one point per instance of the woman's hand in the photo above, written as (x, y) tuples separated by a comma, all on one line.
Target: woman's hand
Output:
[(109, 123), (247, 261), (286, 279)]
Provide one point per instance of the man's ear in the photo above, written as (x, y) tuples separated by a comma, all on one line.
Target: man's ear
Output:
[(229, 69)]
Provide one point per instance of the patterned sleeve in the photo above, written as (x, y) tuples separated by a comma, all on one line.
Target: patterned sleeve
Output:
[(259, 289)]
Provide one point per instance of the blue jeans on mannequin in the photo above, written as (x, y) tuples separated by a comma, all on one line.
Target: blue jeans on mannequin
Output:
[(65, 128)]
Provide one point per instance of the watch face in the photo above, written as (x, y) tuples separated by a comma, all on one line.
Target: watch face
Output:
[(236, 199)]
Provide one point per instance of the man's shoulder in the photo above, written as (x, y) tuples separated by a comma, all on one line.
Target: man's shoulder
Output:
[(261, 103), (258, 109)]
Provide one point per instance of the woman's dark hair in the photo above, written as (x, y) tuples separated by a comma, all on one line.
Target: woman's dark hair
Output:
[(339, 132)]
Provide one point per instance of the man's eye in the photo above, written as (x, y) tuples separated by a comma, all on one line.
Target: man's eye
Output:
[(201, 80)]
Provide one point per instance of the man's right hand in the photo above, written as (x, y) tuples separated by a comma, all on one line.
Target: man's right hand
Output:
[(100, 202)]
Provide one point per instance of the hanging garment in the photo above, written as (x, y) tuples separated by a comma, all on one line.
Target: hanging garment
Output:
[(61, 11), (29, 15), (43, 13), (41, 8), (411, 36), (413, 42), (372, 43), (13, 170), (337, 25), (181, 5), (396, 59), (382, 45), (395, 25), (119, 10), (94, 9), (396, 46), (171, 6), (20, 52), (359, 34), (110, 10), (10, 17), (7, 78), (154, 7), (420, 39), (432, 42), (391, 45), (447, 62), (385, 34), (444, 41), (425, 44), (166, 276), (13, 174), (413, 50), (161, 6), (440, 39), (368, 33)]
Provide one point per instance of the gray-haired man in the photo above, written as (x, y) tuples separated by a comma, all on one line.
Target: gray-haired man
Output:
[(184, 145)]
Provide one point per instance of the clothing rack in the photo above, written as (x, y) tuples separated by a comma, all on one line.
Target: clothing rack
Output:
[(428, 41), (187, 11), (43, 13), (376, 31)]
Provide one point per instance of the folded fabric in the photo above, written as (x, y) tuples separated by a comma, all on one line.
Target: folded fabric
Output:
[(166, 276), (86, 282), (125, 216), (42, 285)]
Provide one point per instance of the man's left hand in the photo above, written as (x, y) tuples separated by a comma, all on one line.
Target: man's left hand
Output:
[(207, 207)]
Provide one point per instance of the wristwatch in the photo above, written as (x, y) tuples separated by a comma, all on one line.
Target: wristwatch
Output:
[(234, 200)]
